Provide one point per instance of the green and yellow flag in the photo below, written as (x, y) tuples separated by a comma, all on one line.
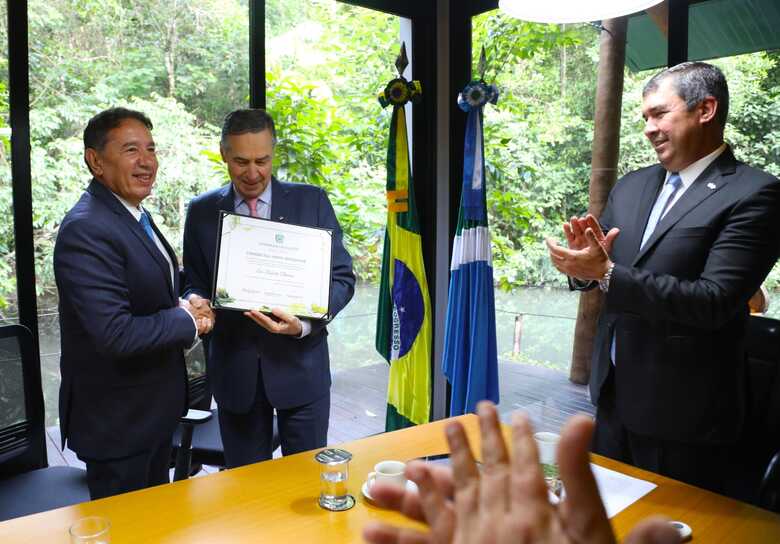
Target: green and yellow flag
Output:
[(403, 328)]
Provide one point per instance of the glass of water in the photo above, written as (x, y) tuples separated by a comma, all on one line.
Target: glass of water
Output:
[(547, 444), (91, 530), (334, 473)]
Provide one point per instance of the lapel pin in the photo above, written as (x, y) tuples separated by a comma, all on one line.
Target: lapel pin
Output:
[(711, 185)]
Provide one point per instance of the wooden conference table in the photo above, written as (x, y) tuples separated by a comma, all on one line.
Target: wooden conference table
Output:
[(276, 502)]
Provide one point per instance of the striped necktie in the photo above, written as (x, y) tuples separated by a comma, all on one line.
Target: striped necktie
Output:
[(662, 204)]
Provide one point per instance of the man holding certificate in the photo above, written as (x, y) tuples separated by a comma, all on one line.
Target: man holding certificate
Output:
[(275, 285)]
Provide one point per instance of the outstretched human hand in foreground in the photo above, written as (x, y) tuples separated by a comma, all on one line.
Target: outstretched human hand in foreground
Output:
[(507, 500)]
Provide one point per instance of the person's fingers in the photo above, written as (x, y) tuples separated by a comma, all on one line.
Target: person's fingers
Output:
[(576, 226), (437, 509), (288, 323), (494, 487), (655, 530), (609, 239), (569, 234), (430, 498), (284, 316), (444, 479), (527, 482), (465, 474), (592, 222), (382, 533), (393, 497), (408, 503), (555, 249), (582, 509), (263, 320), (593, 241)]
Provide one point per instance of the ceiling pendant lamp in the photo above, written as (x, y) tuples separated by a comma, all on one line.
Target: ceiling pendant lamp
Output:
[(572, 11)]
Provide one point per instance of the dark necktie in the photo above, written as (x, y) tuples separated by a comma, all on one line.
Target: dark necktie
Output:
[(147, 225)]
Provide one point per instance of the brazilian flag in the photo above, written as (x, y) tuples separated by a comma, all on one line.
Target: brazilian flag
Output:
[(403, 327)]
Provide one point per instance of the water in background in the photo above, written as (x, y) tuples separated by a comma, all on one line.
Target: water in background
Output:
[(548, 333)]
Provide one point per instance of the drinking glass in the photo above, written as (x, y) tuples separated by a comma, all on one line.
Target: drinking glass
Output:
[(547, 443), (91, 530), (334, 473)]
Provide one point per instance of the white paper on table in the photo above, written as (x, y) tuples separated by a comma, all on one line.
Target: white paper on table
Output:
[(619, 491)]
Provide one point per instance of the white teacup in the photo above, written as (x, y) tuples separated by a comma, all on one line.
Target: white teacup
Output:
[(391, 472)]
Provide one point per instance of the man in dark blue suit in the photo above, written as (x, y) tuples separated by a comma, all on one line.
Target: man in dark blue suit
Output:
[(258, 363), (688, 241), (122, 326)]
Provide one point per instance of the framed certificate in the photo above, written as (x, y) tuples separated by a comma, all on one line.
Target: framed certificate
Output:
[(263, 264)]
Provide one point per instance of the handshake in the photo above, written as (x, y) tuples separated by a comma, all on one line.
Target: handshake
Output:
[(200, 309)]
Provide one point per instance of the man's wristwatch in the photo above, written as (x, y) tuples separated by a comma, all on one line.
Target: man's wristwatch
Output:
[(604, 281)]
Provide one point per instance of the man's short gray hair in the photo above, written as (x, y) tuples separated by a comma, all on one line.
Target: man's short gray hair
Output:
[(244, 121), (695, 81)]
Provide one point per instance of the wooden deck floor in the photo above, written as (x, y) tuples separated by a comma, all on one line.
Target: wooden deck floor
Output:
[(358, 403)]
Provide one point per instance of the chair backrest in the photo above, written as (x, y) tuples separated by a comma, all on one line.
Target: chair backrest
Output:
[(763, 352), (769, 496), (198, 390), (22, 428)]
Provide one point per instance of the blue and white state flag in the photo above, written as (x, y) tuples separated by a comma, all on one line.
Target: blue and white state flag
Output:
[(470, 360)]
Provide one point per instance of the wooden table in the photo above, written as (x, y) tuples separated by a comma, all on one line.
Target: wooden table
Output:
[(276, 502)]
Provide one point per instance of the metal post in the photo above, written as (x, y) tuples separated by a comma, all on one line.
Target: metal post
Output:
[(518, 334), (19, 113), (257, 54)]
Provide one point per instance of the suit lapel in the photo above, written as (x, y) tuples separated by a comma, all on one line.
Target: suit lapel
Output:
[(226, 199), (113, 203), (174, 261), (281, 205), (645, 203), (712, 180)]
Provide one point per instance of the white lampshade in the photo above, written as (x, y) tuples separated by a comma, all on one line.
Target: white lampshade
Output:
[(572, 11)]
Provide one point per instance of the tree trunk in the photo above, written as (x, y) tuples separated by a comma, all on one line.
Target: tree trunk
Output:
[(606, 146), (171, 41)]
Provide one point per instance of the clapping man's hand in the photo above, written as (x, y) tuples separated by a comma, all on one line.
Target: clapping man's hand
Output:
[(507, 501), (587, 257)]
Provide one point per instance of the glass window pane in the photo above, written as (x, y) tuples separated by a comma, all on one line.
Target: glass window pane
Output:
[(184, 64), (326, 62), (9, 312), (537, 155)]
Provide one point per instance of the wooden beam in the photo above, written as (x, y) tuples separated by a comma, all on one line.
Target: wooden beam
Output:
[(659, 14), (606, 146)]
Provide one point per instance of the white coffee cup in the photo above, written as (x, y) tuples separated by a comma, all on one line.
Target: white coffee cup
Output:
[(547, 443), (391, 472)]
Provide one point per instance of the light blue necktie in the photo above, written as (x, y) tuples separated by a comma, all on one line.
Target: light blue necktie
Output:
[(147, 225), (661, 206), (670, 189)]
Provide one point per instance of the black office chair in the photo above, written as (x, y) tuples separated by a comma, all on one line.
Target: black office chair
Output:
[(761, 439), (27, 484), (769, 495), (198, 441)]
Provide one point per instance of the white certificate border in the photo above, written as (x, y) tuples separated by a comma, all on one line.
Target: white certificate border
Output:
[(218, 257)]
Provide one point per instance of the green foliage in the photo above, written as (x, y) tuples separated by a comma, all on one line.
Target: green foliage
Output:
[(185, 63)]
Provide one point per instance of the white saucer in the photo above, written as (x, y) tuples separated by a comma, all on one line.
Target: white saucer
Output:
[(410, 486)]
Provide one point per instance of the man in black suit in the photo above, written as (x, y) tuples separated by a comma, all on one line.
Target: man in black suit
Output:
[(687, 242), (122, 326), (257, 363)]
